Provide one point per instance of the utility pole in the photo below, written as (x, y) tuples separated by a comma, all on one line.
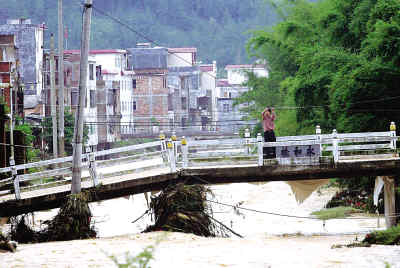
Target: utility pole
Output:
[(78, 131), (60, 79), (53, 104), (15, 84)]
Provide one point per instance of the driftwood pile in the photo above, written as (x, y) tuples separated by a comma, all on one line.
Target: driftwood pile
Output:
[(73, 221), (183, 208), (7, 245)]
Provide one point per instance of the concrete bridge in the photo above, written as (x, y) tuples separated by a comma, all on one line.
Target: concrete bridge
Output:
[(154, 165)]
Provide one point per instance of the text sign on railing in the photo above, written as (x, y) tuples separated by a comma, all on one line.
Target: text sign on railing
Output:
[(298, 151)]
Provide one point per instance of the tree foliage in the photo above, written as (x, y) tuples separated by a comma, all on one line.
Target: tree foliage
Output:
[(335, 62), (69, 123)]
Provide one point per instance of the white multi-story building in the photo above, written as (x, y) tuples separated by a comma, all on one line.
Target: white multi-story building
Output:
[(71, 92), (90, 110), (208, 82), (182, 57), (230, 117), (237, 73), (113, 64)]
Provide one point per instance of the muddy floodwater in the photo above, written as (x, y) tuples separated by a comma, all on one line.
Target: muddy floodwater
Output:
[(269, 240)]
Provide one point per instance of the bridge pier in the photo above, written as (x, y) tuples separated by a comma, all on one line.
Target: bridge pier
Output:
[(390, 201)]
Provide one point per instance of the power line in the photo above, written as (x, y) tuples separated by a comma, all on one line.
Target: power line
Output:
[(140, 34), (14, 145), (152, 41), (298, 107), (395, 215)]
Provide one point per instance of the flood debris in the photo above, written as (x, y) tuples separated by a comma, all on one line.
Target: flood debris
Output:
[(7, 245), (183, 208), (73, 221)]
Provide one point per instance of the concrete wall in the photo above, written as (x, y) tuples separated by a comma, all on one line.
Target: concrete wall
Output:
[(238, 76), (177, 59), (90, 112), (114, 69), (151, 99), (29, 40)]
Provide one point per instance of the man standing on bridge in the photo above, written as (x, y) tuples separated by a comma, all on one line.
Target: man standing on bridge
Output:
[(268, 118)]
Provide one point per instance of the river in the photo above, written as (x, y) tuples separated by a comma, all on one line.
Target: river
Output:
[(269, 240)]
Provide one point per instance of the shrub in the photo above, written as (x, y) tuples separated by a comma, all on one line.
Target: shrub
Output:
[(390, 236)]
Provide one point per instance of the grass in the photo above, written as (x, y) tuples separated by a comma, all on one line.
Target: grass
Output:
[(334, 213)]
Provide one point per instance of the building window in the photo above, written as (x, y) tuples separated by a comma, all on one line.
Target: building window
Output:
[(98, 73), (118, 61), (110, 97), (92, 98), (164, 82), (134, 83), (74, 98), (91, 72), (226, 108), (170, 102), (184, 106), (92, 129), (134, 106)]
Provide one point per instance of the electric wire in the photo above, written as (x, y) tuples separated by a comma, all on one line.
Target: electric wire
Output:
[(395, 215), (152, 41)]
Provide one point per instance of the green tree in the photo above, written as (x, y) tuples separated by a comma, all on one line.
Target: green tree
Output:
[(69, 123), (337, 60)]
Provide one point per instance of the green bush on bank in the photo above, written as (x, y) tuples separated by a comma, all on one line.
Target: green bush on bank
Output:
[(390, 236)]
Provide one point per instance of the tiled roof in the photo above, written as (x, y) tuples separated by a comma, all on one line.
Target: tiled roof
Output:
[(98, 51), (223, 83), (182, 50), (244, 66), (103, 71), (207, 68), (108, 51)]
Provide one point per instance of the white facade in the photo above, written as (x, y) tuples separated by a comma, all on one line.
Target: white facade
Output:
[(114, 68), (181, 57), (39, 60), (208, 82), (229, 117), (90, 110), (237, 73)]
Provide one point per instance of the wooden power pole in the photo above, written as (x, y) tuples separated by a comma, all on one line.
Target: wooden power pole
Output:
[(78, 131), (61, 146), (53, 104)]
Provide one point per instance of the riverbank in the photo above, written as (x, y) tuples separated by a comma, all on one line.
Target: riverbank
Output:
[(269, 240)]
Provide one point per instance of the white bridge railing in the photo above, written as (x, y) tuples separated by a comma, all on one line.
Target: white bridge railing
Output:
[(180, 154)]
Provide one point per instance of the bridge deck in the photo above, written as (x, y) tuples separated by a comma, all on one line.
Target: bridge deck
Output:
[(157, 179)]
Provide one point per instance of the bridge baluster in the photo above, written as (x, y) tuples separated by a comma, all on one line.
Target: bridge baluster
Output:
[(15, 178), (164, 154), (393, 134), (319, 136), (175, 144), (185, 151), (93, 169), (247, 140), (260, 146), (171, 154), (335, 145)]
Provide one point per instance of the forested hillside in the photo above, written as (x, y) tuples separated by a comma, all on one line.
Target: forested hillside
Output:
[(218, 28)]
